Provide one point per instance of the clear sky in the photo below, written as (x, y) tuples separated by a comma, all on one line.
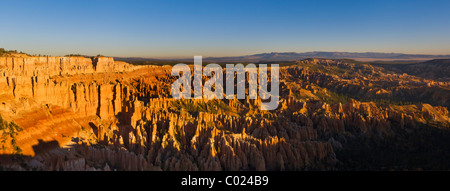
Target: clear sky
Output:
[(186, 28)]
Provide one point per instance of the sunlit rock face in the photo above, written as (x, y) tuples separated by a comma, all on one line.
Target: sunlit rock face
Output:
[(95, 113)]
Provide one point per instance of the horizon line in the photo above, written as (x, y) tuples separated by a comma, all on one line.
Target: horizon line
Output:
[(242, 55)]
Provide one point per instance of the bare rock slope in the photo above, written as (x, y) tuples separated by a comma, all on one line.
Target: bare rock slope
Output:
[(80, 113)]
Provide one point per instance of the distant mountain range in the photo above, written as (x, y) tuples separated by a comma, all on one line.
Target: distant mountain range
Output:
[(292, 56)]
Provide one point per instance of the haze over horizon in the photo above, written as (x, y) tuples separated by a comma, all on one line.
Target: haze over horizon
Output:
[(178, 29)]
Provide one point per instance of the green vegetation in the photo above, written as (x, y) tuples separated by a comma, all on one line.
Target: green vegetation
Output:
[(80, 55), (77, 55), (4, 52), (334, 70), (9, 129), (393, 102), (347, 68), (73, 55), (212, 106), (333, 97)]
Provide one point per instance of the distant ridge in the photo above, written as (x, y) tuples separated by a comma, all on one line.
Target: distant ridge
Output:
[(292, 56)]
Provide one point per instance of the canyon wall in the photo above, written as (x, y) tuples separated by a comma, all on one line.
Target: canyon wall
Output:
[(98, 114), (43, 93)]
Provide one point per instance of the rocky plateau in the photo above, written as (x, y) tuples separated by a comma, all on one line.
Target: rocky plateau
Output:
[(79, 113)]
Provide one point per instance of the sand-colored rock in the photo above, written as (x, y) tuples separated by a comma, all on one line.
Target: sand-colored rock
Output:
[(110, 115)]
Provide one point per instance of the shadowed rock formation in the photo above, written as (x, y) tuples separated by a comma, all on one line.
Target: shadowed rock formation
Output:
[(109, 115)]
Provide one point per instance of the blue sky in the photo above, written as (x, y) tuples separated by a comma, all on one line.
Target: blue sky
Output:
[(224, 28)]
